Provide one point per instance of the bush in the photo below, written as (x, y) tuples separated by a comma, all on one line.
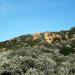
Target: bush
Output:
[(33, 71), (32, 43), (66, 50), (6, 73)]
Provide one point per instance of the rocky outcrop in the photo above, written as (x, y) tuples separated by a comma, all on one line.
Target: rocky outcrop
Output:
[(51, 37), (36, 36)]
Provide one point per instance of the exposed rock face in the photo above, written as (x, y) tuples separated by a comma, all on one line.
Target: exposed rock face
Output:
[(49, 53), (36, 36), (50, 37)]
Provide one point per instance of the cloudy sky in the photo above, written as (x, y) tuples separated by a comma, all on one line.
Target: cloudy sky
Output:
[(18, 17)]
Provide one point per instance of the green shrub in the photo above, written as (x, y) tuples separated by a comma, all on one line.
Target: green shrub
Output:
[(66, 50), (33, 71), (32, 43), (72, 71)]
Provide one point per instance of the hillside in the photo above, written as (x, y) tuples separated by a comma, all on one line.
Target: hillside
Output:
[(48, 53)]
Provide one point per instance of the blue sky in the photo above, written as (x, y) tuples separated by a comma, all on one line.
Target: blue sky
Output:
[(18, 17)]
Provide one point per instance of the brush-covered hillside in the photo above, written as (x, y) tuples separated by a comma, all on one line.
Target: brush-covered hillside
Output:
[(48, 53)]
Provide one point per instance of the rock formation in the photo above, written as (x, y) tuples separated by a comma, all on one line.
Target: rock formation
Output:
[(36, 36), (50, 37)]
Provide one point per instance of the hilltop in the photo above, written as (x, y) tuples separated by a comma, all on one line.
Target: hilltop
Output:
[(48, 53)]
